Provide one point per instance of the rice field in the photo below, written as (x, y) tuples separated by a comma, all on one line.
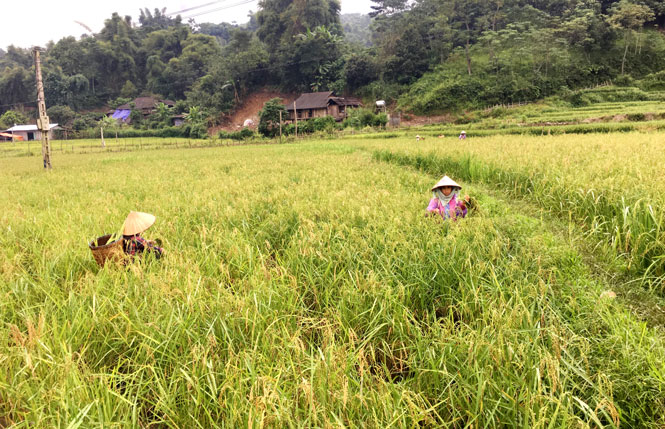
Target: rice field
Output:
[(547, 118), (89, 146), (303, 287), (613, 184), (542, 112)]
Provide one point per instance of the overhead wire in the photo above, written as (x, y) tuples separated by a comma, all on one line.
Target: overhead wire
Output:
[(195, 7), (240, 3), (18, 104), (258, 69)]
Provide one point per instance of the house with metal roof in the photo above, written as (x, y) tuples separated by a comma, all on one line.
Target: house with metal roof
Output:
[(320, 104), (146, 105), (30, 132)]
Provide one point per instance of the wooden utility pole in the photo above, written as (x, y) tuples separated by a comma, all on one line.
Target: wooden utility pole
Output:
[(43, 123), (280, 126), (295, 115)]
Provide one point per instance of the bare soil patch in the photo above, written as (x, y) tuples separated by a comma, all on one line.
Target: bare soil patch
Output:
[(249, 109)]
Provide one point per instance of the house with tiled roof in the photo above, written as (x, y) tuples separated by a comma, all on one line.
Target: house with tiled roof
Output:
[(320, 104)]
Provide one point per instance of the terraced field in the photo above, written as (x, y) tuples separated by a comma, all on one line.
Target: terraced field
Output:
[(302, 286)]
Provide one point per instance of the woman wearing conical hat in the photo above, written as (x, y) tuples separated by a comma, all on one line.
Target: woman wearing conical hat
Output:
[(446, 201), (135, 224)]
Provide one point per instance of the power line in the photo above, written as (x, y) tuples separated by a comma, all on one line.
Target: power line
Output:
[(240, 3), (18, 104), (277, 66), (195, 7)]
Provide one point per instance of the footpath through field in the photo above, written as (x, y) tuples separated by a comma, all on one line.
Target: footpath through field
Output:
[(599, 268), (641, 291)]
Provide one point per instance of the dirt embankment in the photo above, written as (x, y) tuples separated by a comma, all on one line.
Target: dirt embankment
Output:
[(249, 109), (409, 120)]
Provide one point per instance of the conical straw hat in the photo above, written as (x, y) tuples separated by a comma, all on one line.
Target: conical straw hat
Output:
[(446, 181), (137, 222)]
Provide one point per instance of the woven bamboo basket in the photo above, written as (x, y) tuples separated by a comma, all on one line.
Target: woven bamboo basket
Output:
[(103, 251)]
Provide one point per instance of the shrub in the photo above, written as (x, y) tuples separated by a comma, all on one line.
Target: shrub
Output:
[(363, 117), (636, 117), (380, 120), (269, 117), (653, 82), (625, 80), (86, 121), (197, 131), (243, 134), (289, 129), (327, 123)]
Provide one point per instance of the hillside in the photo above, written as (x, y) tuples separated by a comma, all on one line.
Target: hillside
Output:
[(426, 57), (250, 108)]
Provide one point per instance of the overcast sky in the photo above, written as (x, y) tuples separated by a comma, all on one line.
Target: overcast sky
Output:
[(34, 22)]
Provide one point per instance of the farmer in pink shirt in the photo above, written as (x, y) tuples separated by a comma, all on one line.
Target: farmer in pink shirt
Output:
[(446, 201)]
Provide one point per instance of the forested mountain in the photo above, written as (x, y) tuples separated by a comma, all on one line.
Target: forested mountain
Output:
[(357, 29), (433, 55)]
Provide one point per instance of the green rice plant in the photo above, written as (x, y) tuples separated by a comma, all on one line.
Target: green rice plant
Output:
[(303, 287), (630, 222)]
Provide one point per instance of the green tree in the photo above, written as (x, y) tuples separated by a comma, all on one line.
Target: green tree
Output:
[(56, 90), (128, 90), (69, 55), (61, 114), (269, 117), (163, 114), (222, 32), (108, 124), (411, 58), (387, 7), (629, 17), (280, 20), (196, 115), (241, 68), (303, 38), (116, 52), (11, 118), (199, 52), (157, 20), (17, 85), (314, 61), (360, 70)]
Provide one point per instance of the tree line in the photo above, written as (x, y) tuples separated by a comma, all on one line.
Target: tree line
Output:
[(430, 55)]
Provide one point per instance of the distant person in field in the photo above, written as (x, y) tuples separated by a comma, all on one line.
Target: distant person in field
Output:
[(446, 201), (462, 135), (135, 224)]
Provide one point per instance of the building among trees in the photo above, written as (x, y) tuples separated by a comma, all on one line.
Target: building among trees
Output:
[(30, 132), (146, 105), (321, 104)]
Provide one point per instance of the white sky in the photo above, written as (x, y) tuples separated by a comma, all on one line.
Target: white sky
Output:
[(34, 22)]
